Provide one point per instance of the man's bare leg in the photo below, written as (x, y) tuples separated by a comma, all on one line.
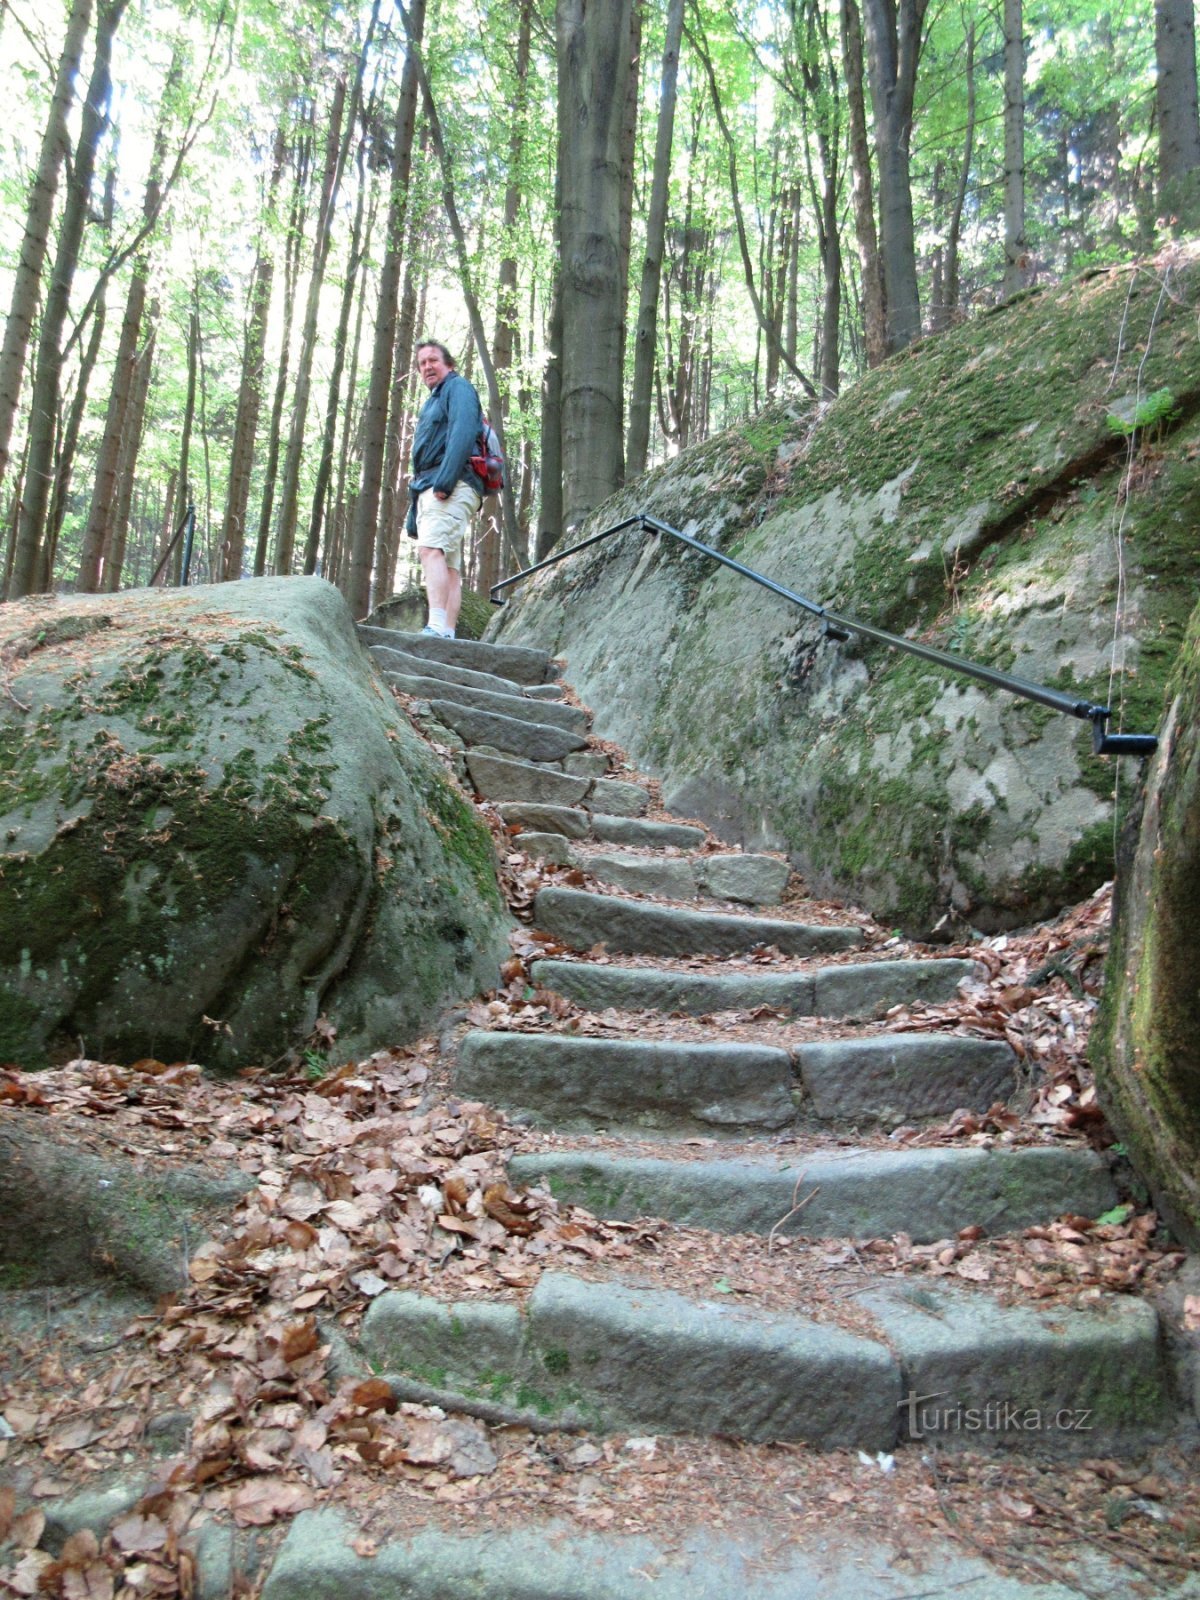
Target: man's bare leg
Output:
[(443, 587)]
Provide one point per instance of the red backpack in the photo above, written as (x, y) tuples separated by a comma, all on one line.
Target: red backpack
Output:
[(488, 463)]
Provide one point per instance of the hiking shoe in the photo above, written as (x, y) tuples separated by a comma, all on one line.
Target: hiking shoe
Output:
[(436, 633)]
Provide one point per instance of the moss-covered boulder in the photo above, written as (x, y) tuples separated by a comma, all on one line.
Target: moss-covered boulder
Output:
[(1024, 490), (215, 825), (1146, 1046)]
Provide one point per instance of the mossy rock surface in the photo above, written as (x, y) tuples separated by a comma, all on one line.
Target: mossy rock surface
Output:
[(215, 825), (1146, 1046), (969, 493)]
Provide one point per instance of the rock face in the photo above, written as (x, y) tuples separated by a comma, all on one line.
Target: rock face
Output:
[(214, 825), (1146, 1047), (967, 492)]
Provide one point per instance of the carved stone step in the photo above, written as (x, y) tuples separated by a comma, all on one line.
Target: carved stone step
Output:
[(519, 663), (582, 920)]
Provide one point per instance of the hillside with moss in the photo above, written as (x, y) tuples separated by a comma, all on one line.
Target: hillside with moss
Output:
[(1023, 490)]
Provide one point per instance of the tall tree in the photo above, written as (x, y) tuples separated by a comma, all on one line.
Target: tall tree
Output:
[(862, 189), (1175, 102), (646, 335), (593, 61), (34, 244), (1016, 258), (893, 47), (44, 398)]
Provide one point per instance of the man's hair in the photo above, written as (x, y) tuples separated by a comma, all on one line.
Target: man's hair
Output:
[(436, 344)]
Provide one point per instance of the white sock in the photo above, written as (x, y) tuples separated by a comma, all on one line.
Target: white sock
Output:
[(437, 618)]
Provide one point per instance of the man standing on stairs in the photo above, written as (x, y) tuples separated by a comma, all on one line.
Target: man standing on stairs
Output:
[(444, 491)]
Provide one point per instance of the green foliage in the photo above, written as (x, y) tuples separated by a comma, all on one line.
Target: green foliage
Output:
[(1155, 410)]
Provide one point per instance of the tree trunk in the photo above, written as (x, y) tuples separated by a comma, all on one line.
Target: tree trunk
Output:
[(862, 190), (114, 558), (289, 494), (249, 402), (893, 45), (359, 246), (593, 62), (44, 400), (646, 337), (394, 502), (186, 497), (629, 120), (505, 334), (38, 215), (1175, 103), (97, 532), (375, 414), (945, 312), (1016, 261), (550, 503)]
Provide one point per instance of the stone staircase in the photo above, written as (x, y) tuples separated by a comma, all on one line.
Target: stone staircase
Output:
[(746, 1136)]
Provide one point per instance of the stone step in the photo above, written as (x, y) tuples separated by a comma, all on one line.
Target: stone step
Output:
[(563, 822), (531, 741), (672, 1087), (549, 713), (620, 1356), (501, 779), (897, 1077), (929, 1194), (519, 663), (683, 1086), (751, 879), (630, 927), (691, 1556), (862, 990), (637, 831), (391, 660)]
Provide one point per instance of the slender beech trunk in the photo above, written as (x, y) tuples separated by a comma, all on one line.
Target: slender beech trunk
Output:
[(70, 436), (629, 117), (1016, 260), (289, 493), (645, 344), (44, 399), (186, 495), (862, 190), (893, 45), (550, 503), (97, 532), (945, 312), (360, 243), (291, 275), (505, 332), (114, 558), (245, 427), (375, 413), (393, 505), (38, 214), (593, 63)]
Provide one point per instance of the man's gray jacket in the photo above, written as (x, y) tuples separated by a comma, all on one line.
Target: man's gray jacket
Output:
[(446, 437)]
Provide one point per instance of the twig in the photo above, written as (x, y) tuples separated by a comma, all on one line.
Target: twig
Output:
[(797, 1206), (426, 1394)]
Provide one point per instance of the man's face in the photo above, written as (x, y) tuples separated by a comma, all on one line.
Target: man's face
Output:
[(431, 364)]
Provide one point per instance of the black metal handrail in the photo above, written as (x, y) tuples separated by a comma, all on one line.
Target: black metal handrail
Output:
[(839, 627)]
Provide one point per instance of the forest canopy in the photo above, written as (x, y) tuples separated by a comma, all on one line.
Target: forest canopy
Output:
[(226, 225)]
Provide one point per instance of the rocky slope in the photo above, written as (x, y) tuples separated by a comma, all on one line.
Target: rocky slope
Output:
[(1021, 490)]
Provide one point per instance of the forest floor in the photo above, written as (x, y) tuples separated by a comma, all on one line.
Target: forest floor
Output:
[(237, 1399)]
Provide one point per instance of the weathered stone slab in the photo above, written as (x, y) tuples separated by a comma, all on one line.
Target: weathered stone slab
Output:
[(618, 799), (581, 920), (500, 779), (592, 762), (672, 877), (543, 712), (1083, 1377), (446, 1345), (697, 993), (859, 1194), (896, 1076), (755, 880), (544, 691), (519, 663), (551, 847), (392, 660), (567, 820), (532, 741), (675, 1087), (636, 830), (651, 1359), (869, 988)]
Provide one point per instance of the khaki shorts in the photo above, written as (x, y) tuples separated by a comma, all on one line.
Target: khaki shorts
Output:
[(441, 524)]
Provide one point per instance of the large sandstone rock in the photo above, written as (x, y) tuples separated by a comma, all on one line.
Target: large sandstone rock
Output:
[(966, 492), (215, 825), (1146, 1046)]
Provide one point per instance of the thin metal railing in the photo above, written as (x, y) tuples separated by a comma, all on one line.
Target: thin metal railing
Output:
[(839, 627)]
